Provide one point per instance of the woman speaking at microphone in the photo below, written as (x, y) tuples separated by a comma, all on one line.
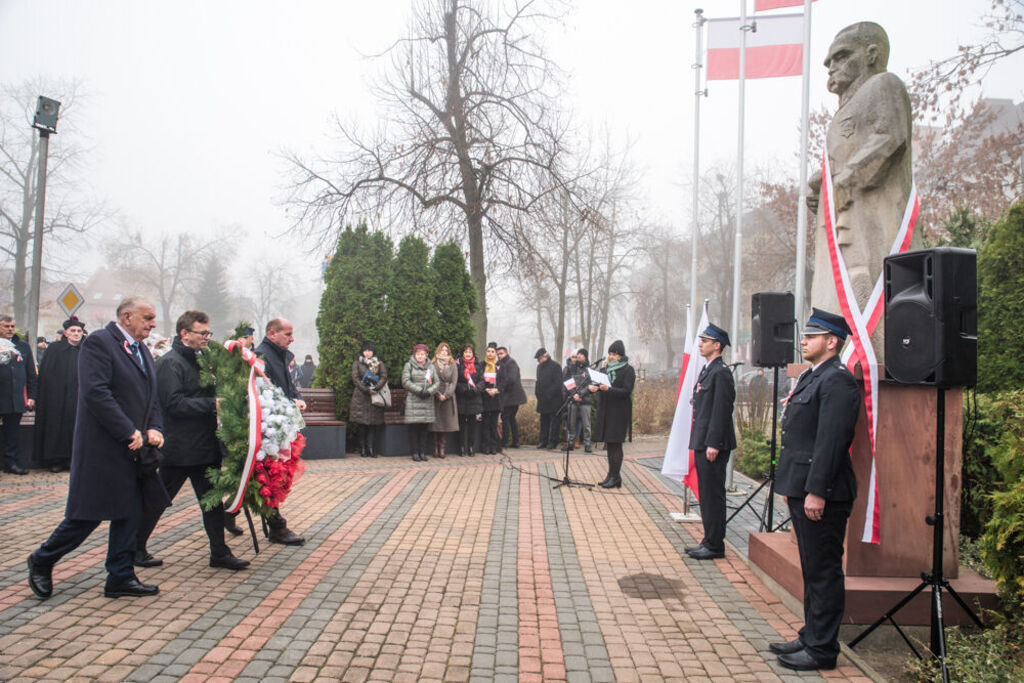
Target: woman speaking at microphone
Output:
[(614, 410)]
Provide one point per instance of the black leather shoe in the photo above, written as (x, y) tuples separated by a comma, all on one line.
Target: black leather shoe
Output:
[(15, 469), (144, 559), (588, 449), (694, 548), (131, 589), (231, 526), (786, 648), (541, 446), (228, 562), (40, 578), (611, 483), (604, 481), (803, 661), (706, 554), (285, 536)]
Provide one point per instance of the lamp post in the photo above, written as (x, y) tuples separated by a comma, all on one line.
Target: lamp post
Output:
[(45, 122)]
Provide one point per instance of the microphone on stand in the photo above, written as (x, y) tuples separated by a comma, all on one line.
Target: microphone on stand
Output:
[(597, 363)]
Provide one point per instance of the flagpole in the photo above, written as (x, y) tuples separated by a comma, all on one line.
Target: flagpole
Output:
[(686, 340), (737, 256), (801, 207), (697, 92)]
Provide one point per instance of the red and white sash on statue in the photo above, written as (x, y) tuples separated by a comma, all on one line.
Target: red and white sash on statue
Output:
[(255, 421), (863, 323)]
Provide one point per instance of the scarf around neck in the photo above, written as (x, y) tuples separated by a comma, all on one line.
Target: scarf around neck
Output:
[(615, 367)]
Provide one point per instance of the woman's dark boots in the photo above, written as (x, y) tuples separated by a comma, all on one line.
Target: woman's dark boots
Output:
[(364, 451)]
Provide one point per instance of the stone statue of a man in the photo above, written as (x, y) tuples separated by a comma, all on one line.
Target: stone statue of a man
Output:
[(868, 144)]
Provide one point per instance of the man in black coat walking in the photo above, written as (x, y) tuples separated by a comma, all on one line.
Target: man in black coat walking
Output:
[(511, 396), (191, 445), (816, 476), (113, 475), (549, 398), (712, 439), (17, 389), (278, 359)]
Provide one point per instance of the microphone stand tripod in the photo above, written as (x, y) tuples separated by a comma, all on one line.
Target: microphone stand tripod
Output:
[(566, 481)]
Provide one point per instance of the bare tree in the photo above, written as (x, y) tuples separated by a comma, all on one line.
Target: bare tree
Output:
[(68, 212), (659, 283), (470, 103), (271, 288), (166, 266)]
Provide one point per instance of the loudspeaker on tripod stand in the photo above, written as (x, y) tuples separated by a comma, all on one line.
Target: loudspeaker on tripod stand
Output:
[(771, 329), (931, 317)]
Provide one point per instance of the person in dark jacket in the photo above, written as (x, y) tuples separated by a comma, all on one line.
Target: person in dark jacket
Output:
[(614, 410), (307, 373), (510, 395), (712, 439), (190, 442), (368, 375), (490, 440), (468, 401), (816, 476), (17, 390), (278, 359), (57, 403), (578, 423), (549, 398), (113, 477)]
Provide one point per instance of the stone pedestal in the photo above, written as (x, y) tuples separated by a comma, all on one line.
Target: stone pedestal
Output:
[(905, 471)]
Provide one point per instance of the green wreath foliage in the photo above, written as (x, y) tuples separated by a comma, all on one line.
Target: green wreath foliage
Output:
[(229, 374)]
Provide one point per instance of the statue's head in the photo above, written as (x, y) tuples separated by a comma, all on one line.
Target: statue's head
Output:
[(858, 51)]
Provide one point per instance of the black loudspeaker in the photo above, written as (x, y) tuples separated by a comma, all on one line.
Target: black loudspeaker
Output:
[(931, 317), (771, 329), (47, 111)]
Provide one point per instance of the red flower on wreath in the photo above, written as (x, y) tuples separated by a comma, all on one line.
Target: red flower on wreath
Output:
[(278, 476)]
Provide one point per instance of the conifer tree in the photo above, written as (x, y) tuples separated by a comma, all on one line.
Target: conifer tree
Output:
[(455, 298), (1001, 305), (211, 295), (412, 314)]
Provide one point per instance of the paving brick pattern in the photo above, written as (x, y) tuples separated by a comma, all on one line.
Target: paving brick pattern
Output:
[(454, 570)]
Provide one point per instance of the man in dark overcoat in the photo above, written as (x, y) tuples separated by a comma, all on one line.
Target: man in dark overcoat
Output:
[(549, 398), (510, 395), (278, 360), (712, 439), (816, 476), (113, 475), (191, 447), (57, 405), (17, 389)]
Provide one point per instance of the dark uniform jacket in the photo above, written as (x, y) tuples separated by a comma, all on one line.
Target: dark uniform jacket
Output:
[(549, 386), (713, 400), (189, 410), (510, 383), (615, 408), (115, 397), (17, 379), (817, 430), (278, 361)]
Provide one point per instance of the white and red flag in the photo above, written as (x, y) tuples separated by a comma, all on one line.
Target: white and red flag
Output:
[(678, 462), (765, 5), (775, 49)]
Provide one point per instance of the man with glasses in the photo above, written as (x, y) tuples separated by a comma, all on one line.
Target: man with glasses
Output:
[(191, 445)]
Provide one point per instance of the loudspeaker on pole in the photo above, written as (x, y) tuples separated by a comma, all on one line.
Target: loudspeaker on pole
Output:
[(772, 329)]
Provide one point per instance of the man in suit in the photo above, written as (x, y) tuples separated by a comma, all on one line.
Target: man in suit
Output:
[(278, 359), (816, 476), (712, 438), (113, 475)]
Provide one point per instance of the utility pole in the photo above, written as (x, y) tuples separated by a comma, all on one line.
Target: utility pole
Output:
[(45, 122)]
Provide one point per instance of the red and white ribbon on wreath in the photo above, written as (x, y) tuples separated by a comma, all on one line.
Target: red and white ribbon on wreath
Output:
[(863, 323), (255, 421)]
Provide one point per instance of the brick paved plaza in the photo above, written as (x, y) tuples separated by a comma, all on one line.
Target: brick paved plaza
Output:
[(456, 569)]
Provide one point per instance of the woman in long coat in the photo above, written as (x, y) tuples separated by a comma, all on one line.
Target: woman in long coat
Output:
[(419, 379), (368, 375), (446, 416), (490, 441), (468, 401), (615, 410)]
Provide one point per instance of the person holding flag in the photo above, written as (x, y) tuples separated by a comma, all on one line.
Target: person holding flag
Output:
[(712, 438), (816, 476)]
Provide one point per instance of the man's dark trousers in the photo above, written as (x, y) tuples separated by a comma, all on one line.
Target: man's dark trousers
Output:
[(549, 428), (821, 558), (11, 425), (711, 489), (71, 533), (213, 520), (509, 426)]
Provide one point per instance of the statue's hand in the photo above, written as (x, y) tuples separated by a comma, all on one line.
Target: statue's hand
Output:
[(843, 185)]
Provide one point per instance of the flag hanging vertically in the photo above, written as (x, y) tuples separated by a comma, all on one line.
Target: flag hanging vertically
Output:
[(775, 49), (678, 462), (765, 5)]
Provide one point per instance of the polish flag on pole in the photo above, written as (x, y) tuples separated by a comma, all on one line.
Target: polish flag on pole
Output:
[(765, 5), (775, 49), (678, 462)]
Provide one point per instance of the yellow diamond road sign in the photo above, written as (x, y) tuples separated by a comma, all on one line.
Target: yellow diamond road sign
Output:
[(70, 300)]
